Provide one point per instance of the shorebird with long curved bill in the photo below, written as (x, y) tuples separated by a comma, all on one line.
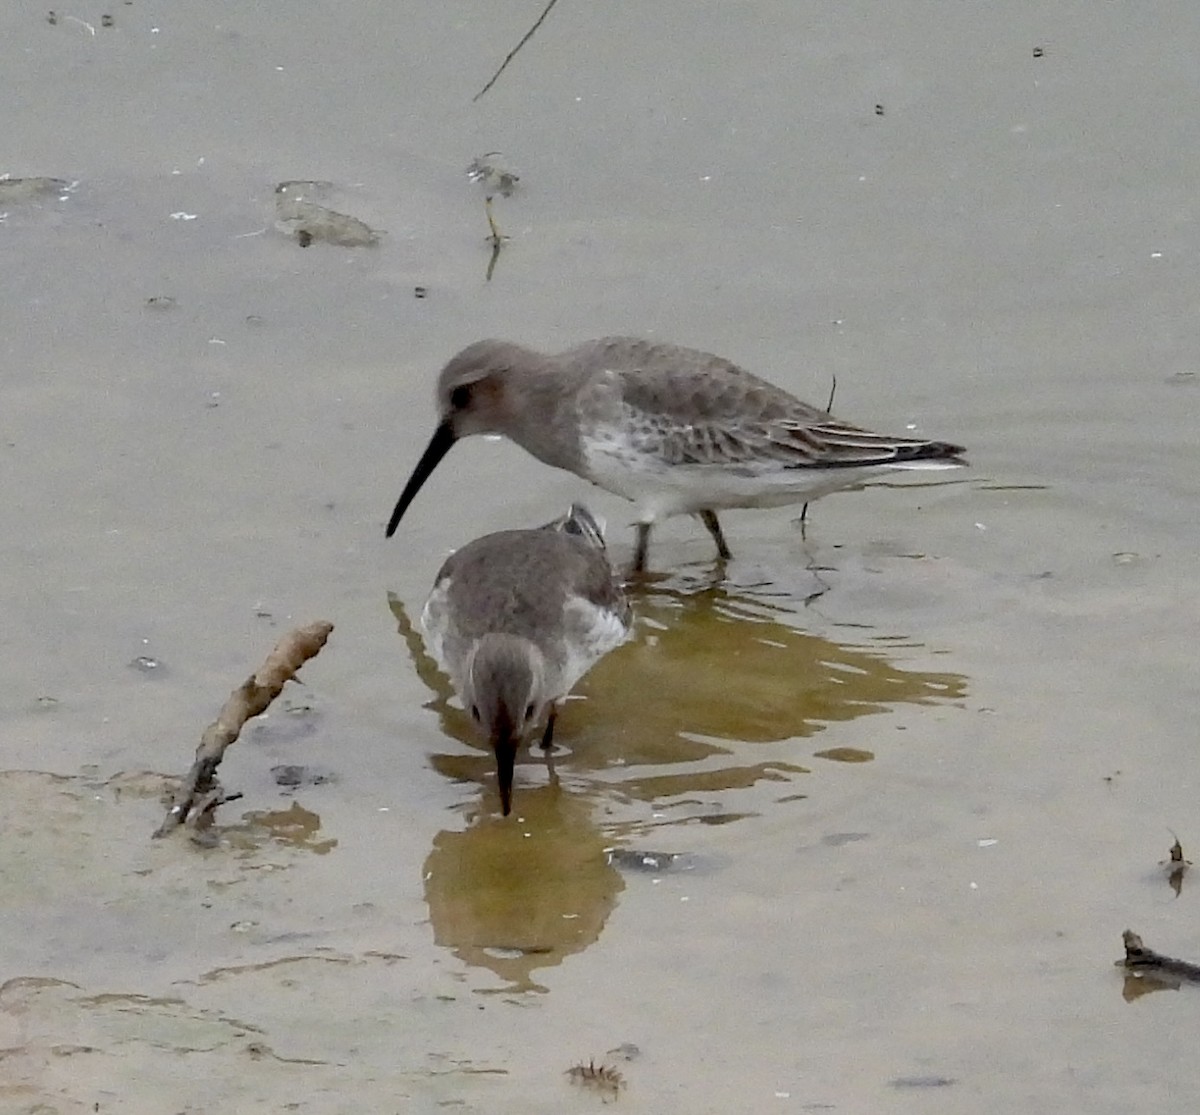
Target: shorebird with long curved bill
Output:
[(516, 618), (676, 430)]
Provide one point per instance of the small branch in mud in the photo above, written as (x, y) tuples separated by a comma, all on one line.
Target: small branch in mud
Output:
[(201, 793), (513, 53), (1139, 959)]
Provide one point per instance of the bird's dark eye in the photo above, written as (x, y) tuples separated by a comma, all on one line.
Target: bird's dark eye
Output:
[(475, 713), (529, 711), (460, 397)]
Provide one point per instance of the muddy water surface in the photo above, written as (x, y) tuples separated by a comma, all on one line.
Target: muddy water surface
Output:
[(853, 824)]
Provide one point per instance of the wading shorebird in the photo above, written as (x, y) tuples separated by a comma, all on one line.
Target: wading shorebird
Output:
[(676, 430), (516, 618)]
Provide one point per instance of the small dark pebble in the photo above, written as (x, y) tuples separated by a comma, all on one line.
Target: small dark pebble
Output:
[(296, 774)]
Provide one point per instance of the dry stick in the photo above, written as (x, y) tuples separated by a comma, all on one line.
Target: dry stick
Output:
[(513, 53), (200, 792), (1138, 958)]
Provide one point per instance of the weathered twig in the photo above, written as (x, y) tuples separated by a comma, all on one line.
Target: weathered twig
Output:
[(201, 793), (1139, 959), (513, 53)]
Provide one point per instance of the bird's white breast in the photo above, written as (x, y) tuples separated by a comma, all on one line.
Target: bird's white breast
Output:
[(589, 632)]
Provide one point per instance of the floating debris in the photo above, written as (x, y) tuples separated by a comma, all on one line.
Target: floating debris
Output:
[(1038, 52), (292, 775), (653, 863), (161, 302), (493, 179), (491, 176), (312, 189), (601, 1077), (1176, 866), (308, 221), (14, 190), (106, 21), (1140, 961), (420, 291), (143, 663)]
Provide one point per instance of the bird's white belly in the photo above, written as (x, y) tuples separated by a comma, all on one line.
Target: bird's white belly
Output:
[(661, 490), (588, 634)]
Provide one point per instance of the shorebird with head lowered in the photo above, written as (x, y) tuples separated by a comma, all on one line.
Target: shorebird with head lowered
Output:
[(676, 430), (516, 618)]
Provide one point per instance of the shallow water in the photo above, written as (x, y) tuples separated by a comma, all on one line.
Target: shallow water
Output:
[(918, 763)]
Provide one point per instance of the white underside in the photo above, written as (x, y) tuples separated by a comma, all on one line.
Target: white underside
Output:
[(591, 633), (661, 491), (584, 636)]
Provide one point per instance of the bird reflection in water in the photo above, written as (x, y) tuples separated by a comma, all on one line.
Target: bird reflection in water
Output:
[(718, 673)]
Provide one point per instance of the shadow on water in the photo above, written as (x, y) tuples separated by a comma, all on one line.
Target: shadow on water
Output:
[(716, 673)]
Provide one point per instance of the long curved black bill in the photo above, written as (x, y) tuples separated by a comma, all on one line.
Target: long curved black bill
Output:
[(506, 754), (439, 445)]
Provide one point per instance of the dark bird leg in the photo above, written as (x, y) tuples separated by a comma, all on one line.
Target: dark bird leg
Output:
[(641, 547), (548, 734), (709, 519)]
